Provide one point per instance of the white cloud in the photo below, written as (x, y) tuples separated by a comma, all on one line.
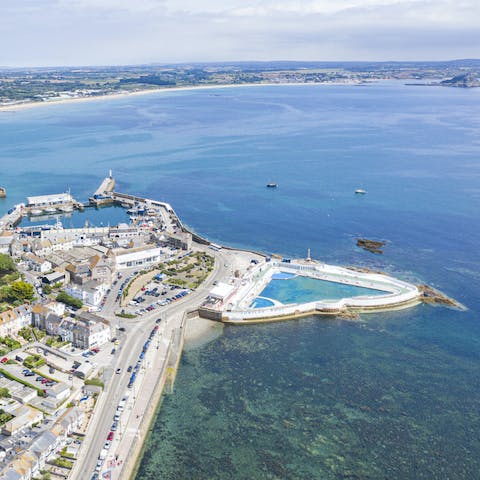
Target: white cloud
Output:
[(137, 31)]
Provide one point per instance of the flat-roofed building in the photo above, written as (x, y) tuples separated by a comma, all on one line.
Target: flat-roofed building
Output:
[(24, 417), (47, 200), (141, 257)]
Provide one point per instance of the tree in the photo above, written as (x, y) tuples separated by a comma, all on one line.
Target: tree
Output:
[(69, 300), (21, 291), (7, 265), (4, 393)]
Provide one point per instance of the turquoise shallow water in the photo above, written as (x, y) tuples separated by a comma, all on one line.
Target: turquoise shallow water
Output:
[(304, 289), (394, 396)]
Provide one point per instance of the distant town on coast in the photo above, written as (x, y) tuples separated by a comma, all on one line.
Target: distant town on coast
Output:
[(24, 86)]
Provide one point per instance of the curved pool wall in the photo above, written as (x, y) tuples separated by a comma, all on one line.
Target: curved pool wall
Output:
[(394, 294)]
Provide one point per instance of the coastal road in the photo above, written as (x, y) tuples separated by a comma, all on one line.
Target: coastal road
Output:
[(127, 354)]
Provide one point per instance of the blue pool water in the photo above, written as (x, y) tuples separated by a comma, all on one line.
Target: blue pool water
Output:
[(301, 289), (261, 303), (282, 276), (393, 396)]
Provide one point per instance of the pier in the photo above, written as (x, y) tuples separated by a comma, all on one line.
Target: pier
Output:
[(103, 194)]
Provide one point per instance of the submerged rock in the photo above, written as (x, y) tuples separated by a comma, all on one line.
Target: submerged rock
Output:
[(373, 246)]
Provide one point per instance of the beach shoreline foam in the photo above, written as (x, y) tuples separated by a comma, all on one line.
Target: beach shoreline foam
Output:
[(63, 101)]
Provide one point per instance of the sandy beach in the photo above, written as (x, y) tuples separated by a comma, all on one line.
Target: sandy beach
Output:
[(113, 96), (201, 331)]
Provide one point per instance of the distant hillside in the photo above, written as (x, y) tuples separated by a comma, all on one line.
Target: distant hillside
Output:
[(466, 80)]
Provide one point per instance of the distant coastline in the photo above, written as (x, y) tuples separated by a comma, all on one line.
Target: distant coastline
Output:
[(112, 96)]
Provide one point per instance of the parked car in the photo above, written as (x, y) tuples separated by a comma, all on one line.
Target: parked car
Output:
[(129, 369), (4, 360), (110, 436), (113, 351), (51, 370), (118, 370)]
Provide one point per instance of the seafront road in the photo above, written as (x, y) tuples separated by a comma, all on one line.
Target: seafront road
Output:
[(137, 332)]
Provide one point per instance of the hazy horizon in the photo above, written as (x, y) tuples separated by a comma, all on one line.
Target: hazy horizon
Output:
[(55, 33)]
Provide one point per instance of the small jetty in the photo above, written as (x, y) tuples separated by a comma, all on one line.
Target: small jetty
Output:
[(372, 246), (103, 194)]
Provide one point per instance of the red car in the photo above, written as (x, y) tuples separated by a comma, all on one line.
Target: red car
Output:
[(4, 359), (110, 436)]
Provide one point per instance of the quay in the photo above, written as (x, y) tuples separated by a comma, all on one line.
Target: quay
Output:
[(102, 195)]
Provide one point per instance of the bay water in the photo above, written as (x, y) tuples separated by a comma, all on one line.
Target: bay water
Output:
[(394, 395)]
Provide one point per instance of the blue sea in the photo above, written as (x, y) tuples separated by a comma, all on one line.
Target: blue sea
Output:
[(393, 396)]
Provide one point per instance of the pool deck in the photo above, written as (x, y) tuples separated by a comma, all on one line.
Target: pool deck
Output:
[(397, 294)]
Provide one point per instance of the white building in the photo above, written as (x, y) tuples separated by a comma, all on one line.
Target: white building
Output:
[(139, 258), (56, 395), (91, 293), (90, 331), (49, 200), (37, 264), (11, 321)]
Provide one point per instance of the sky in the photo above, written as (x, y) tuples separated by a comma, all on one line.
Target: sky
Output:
[(107, 32)]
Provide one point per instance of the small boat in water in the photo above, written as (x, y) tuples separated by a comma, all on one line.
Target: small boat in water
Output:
[(272, 185), (50, 210), (35, 212), (66, 209), (360, 191)]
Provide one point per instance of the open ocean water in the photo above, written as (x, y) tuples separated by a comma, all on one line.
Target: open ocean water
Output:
[(395, 396)]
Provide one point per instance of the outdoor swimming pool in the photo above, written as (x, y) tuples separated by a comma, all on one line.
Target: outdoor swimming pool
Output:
[(260, 302), (287, 288)]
